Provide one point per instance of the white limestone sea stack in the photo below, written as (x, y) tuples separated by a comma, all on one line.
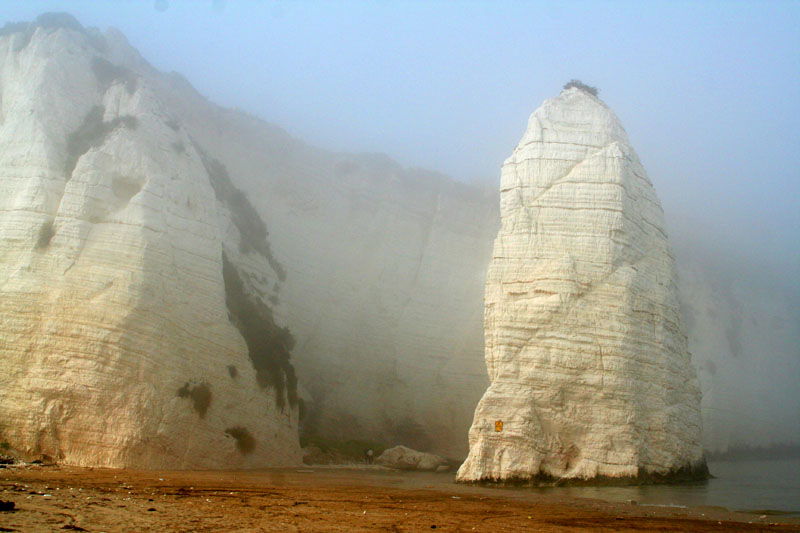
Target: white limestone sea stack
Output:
[(136, 328), (590, 375)]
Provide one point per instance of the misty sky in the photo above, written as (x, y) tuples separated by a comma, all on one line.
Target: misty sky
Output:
[(708, 91)]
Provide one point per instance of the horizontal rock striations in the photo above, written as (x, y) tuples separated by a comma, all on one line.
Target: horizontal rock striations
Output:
[(590, 375), (131, 273)]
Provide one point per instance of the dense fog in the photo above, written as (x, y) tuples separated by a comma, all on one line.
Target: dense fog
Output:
[(707, 93)]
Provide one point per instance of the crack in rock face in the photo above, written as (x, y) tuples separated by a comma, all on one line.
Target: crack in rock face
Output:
[(590, 375)]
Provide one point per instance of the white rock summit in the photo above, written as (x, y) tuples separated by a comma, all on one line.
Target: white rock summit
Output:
[(590, 375)]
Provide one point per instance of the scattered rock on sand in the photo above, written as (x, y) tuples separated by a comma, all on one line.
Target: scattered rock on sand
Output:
[(404, 458), (7, 505)]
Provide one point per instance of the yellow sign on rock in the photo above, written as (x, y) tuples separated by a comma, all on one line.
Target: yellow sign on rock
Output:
[(498, 425)]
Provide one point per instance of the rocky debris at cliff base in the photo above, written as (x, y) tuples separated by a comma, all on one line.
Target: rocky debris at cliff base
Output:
[(313, 455), (403, 458)]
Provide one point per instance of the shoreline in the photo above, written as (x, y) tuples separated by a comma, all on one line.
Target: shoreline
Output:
[(690, 474), (324, 498)]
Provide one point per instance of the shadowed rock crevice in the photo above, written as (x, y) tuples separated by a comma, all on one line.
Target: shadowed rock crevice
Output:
[(251, 227), (92, 132), (46, 234), (107, 73), (125, 188), (267, 344), (409, 432)]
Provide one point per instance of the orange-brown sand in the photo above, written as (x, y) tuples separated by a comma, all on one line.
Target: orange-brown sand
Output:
[(56, 498)]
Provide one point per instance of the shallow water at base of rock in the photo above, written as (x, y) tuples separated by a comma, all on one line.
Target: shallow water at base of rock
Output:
[(750, 485)]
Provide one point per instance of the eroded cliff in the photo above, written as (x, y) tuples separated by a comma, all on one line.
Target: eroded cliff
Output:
[(129, 268)]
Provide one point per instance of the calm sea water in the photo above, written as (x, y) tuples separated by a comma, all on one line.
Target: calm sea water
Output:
[(752, 485)]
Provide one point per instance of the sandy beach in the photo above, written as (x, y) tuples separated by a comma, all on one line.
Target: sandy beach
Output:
[(51, 498)]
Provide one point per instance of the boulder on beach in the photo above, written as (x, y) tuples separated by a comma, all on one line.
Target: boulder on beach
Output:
[(404, 458)]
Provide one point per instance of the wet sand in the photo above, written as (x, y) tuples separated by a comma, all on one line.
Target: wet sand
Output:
[(55, 498)]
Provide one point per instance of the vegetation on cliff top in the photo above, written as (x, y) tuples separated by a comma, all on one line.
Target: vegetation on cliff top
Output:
[(578, 84), (52, 21)]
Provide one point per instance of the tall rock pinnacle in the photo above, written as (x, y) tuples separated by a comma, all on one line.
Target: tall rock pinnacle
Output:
[(589, 370)]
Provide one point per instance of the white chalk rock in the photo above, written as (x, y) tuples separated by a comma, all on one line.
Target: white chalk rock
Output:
[(588, 364), (404, 458), (123, 331)]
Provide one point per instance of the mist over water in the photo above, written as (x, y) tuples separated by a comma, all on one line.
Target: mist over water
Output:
[(751, 486), (707, 92)]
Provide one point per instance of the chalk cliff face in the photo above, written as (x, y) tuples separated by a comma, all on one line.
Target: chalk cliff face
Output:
[(121, 191), (130, 272), (744, 336), (588, 363), (385, 271)]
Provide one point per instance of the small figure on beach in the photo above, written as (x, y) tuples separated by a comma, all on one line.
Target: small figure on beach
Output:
[(368, 456)]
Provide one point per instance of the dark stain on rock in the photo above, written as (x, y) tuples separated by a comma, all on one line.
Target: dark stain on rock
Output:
[(245, 442), (251, 227), (268, 345), (200, 394), (46, 234)]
